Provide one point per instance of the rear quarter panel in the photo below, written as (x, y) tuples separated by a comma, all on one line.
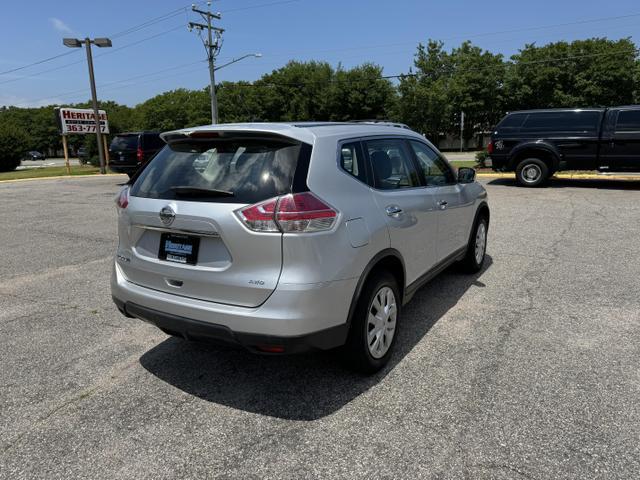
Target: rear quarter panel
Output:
[(360, 232)]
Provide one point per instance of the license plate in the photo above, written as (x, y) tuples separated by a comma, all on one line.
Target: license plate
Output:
[(179, 248)]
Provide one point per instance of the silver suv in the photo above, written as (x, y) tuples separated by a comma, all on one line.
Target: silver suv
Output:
[(285, 238)]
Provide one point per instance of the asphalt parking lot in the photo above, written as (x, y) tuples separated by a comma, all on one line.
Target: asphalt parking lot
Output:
[(527, 370)]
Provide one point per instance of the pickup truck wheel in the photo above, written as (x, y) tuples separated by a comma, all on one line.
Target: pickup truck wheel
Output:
[(374, 326), (477, 248), (532, 172)]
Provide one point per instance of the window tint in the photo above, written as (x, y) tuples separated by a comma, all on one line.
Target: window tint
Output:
[(628, 121), (351, 160), (152, 141), (562, 121), (253, 170), (512, 122), (391, 164), (435, 169), (124, 142)]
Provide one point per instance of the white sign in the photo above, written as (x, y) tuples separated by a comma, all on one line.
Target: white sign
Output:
[(82, 121)]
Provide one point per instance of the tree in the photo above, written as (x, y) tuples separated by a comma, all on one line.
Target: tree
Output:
[(297, 91), (423, 102), (475, 87), (360, 93), (240, 102), (14, 143), (585, 73), (175, 109)]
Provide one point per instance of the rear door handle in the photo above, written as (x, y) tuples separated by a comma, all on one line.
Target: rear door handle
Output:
[(443, 204), (393, 210)]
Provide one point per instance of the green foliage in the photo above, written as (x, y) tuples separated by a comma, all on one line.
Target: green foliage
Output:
[(599, 72), (481, 158), (423, 103), (175, 109), (441, 84), (14, 143)]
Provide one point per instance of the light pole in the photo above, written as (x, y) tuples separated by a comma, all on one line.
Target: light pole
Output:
[(256, 55), (98, 42)]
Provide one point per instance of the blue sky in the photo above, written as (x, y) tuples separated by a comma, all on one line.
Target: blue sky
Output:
[(346, 31)]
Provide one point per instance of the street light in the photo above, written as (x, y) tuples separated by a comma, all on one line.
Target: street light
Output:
[(256, 55), (98, 42)]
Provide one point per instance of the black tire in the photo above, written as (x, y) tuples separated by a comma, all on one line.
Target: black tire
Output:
[(532, 172), (356, 349), (470, 263)]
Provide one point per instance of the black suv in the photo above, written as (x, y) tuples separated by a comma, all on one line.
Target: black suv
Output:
[(537, 143), (129, 151)]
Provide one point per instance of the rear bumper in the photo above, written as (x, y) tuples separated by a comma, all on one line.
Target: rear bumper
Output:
[(295, 317)]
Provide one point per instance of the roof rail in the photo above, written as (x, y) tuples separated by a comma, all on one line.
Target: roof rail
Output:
[(388, 123)]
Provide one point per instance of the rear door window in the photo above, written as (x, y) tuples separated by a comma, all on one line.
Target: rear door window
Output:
[(628, 121), (391, 164), (230, 171), (571, 121)]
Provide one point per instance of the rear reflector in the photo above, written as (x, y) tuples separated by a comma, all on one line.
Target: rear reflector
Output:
[(270, 348), (293, 213), (490, 148)]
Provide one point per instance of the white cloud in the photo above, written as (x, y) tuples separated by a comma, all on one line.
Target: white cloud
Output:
[(60, 25)]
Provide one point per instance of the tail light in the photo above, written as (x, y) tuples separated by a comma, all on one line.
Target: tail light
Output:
[(139, 155), (490, 147), (293, 213), (122, 200)]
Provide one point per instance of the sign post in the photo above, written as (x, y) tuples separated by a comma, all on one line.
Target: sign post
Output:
[(81, 121), (66, 154), (106, 150)]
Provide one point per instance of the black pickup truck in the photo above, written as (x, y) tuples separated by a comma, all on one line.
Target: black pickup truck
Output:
[(537, 143)]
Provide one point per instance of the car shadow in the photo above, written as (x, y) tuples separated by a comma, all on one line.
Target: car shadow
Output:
[(300, 387), (604, 183)]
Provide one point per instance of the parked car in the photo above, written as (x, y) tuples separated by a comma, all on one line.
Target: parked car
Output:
[(83, 155), (129, 151), (537, 143), (34, 155), (293, 237)]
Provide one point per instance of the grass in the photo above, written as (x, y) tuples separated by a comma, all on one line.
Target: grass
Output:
[(463, 163), (49, 172)]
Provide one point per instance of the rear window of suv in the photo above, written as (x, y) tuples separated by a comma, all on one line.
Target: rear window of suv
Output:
[(124, 142), (248, 170)]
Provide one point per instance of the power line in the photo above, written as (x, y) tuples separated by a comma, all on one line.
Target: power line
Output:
[(38, 62), (60, 67)]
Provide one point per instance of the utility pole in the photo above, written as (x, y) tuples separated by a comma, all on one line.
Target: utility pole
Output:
[(461, 130), (212, 44)]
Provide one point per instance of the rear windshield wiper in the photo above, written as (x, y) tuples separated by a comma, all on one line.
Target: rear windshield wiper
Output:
[(200, 192)]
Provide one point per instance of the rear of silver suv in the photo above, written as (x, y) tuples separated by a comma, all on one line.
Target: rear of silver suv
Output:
[(269, 236)]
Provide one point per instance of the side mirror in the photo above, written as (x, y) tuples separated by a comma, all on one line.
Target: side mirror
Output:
[(466, 175)]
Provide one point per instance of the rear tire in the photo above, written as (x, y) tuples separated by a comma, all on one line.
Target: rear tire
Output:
[(532, 172), (477, 248), (374, 326)]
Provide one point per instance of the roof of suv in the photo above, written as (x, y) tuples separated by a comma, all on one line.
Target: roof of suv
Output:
[(303, 131)]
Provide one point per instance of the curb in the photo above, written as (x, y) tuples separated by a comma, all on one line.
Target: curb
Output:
[(67, 177), (568, 176)]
